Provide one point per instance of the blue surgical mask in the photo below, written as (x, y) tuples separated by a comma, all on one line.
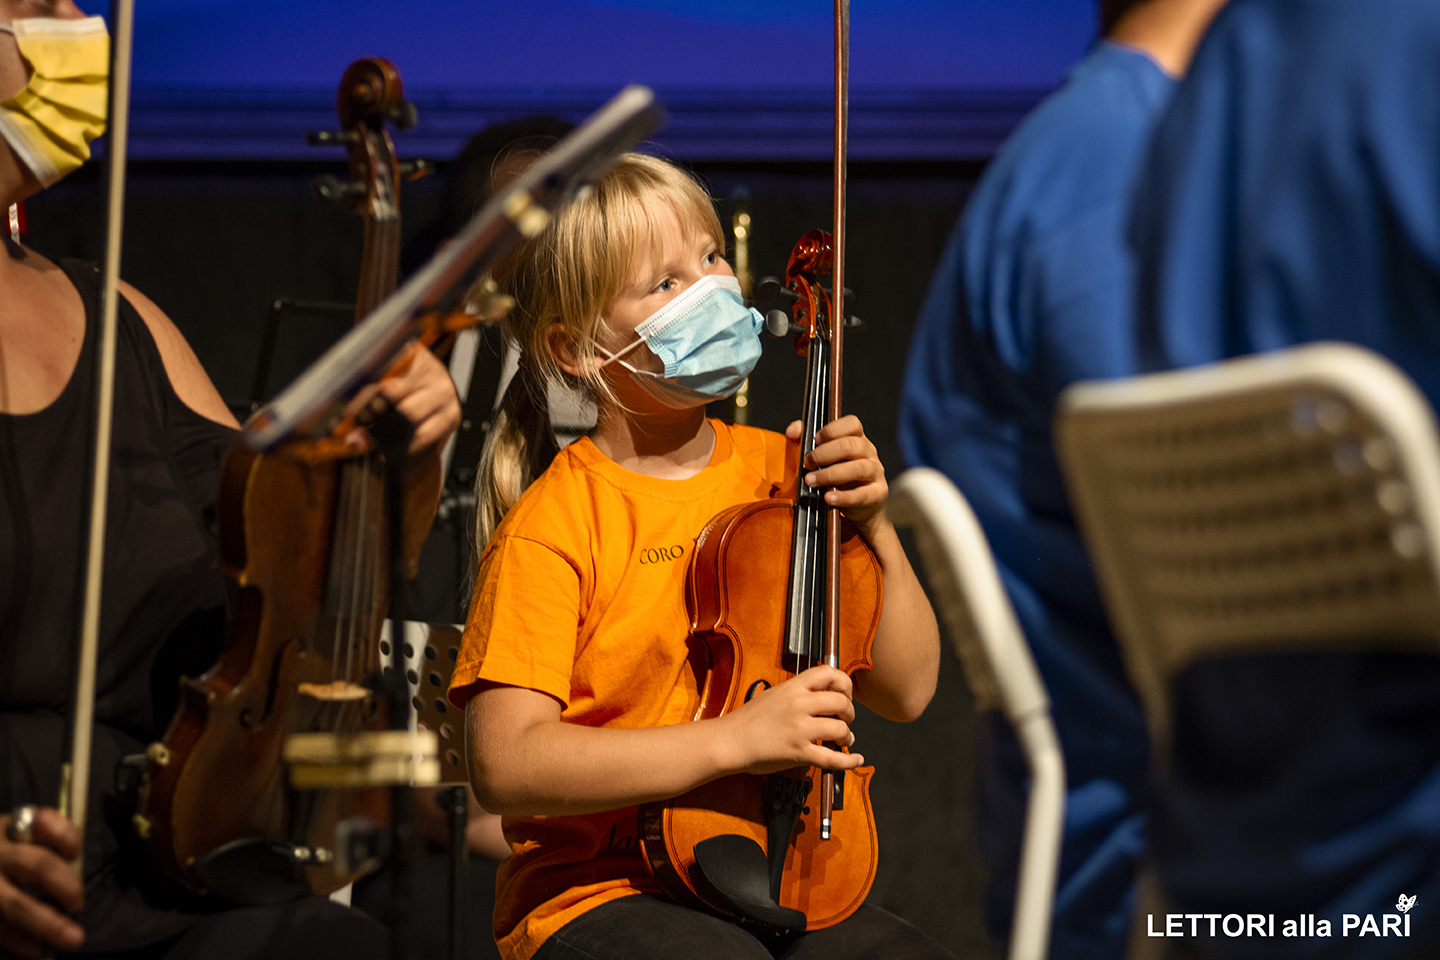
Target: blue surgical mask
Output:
[(708, 340)]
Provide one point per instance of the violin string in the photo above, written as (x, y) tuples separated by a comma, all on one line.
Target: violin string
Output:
[(360, 524), (374, 554), (336, 587), (343, 561), (374, 501), (354, 553)]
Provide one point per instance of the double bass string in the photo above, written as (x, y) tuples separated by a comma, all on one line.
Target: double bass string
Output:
[(353, 476)]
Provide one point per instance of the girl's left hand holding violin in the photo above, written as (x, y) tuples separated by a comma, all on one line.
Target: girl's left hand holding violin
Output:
[(906, 652), (844, 458)]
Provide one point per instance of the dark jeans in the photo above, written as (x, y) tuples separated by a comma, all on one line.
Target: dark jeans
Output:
[(648, 928), (305, 930), (310, 929), (429, 910)]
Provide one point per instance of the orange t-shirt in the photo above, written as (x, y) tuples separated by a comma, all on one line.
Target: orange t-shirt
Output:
[(581, 595)]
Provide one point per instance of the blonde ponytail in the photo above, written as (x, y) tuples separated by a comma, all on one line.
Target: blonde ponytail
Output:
[(519, 447)]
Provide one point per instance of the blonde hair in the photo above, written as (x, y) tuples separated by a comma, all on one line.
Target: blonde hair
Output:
[(566, 277)]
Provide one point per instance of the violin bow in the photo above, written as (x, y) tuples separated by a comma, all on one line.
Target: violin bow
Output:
[(75, 783), (837, 329)]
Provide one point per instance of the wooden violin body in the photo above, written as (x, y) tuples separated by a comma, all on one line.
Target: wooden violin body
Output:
[(738, 621), (304, 536), (301, 646)]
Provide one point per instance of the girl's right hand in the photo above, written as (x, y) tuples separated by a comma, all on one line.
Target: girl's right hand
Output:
[(27, 923), (783, 727)]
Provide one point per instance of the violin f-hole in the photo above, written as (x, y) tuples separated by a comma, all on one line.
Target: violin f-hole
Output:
[(755, 688)]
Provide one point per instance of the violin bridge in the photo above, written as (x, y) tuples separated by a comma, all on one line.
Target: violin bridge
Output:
[(380, 758), (337, 691)]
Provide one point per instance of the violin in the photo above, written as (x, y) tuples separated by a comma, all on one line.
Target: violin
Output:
[(770, 852), (304, 538), (766, 850)]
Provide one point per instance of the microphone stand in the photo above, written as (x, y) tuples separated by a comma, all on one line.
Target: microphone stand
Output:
[(393, 433), (456, 804)]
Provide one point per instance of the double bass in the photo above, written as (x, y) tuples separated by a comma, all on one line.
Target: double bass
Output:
[(795, 850), (304, 538)]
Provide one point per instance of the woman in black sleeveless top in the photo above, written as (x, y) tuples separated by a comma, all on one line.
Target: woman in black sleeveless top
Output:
[(162, 617), (162, 602), (163, 609)]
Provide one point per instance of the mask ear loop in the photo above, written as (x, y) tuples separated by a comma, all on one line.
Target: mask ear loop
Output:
[(617, 355)]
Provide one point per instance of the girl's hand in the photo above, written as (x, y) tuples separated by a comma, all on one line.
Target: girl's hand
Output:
[(782, 727), (30, 871), (845, 459)]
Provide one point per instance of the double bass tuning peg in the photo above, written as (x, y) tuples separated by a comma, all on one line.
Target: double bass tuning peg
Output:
[(331, 187), (332, 138)]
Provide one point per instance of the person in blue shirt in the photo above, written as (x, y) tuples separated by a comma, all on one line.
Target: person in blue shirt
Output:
[(1033, 292), (1293, 194)]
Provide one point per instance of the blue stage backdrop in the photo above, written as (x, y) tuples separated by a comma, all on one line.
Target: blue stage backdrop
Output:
[(743, 79)]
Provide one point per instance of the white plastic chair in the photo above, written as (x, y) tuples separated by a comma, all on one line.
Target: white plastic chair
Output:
[(1001, 673), (1281, 501)]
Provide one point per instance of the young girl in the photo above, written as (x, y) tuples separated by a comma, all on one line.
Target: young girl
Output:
[(574, 669)]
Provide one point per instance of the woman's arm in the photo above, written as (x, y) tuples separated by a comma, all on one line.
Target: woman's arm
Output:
[(525, 760), (189, 379), (423, 392), (906, 653)]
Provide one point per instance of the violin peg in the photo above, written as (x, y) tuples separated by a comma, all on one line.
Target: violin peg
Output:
[(416, 168), (770, 288), (332, 138), (331, 187), (777, 323), (853, 322), (403, 115), (486, 303)]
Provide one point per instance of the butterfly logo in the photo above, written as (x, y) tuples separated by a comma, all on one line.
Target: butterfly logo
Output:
[(1405, 903)]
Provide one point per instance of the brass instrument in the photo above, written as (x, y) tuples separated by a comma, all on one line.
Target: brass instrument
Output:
[(740, 228)]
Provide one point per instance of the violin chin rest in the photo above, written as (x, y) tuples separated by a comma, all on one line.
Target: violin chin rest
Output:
[(734, 871), (251, 872)]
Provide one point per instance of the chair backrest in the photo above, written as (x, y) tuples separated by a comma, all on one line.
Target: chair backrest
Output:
[(1000, 670), (1276, 501)]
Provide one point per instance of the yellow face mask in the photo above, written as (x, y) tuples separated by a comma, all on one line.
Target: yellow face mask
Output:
[(51, 122)]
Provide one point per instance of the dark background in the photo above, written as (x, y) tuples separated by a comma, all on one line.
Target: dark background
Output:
[(215, 243)]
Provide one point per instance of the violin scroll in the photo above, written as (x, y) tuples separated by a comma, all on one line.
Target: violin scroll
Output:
[(805, 292)]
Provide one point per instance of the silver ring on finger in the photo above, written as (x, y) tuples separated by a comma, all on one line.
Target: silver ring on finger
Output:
[(22, 824)]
